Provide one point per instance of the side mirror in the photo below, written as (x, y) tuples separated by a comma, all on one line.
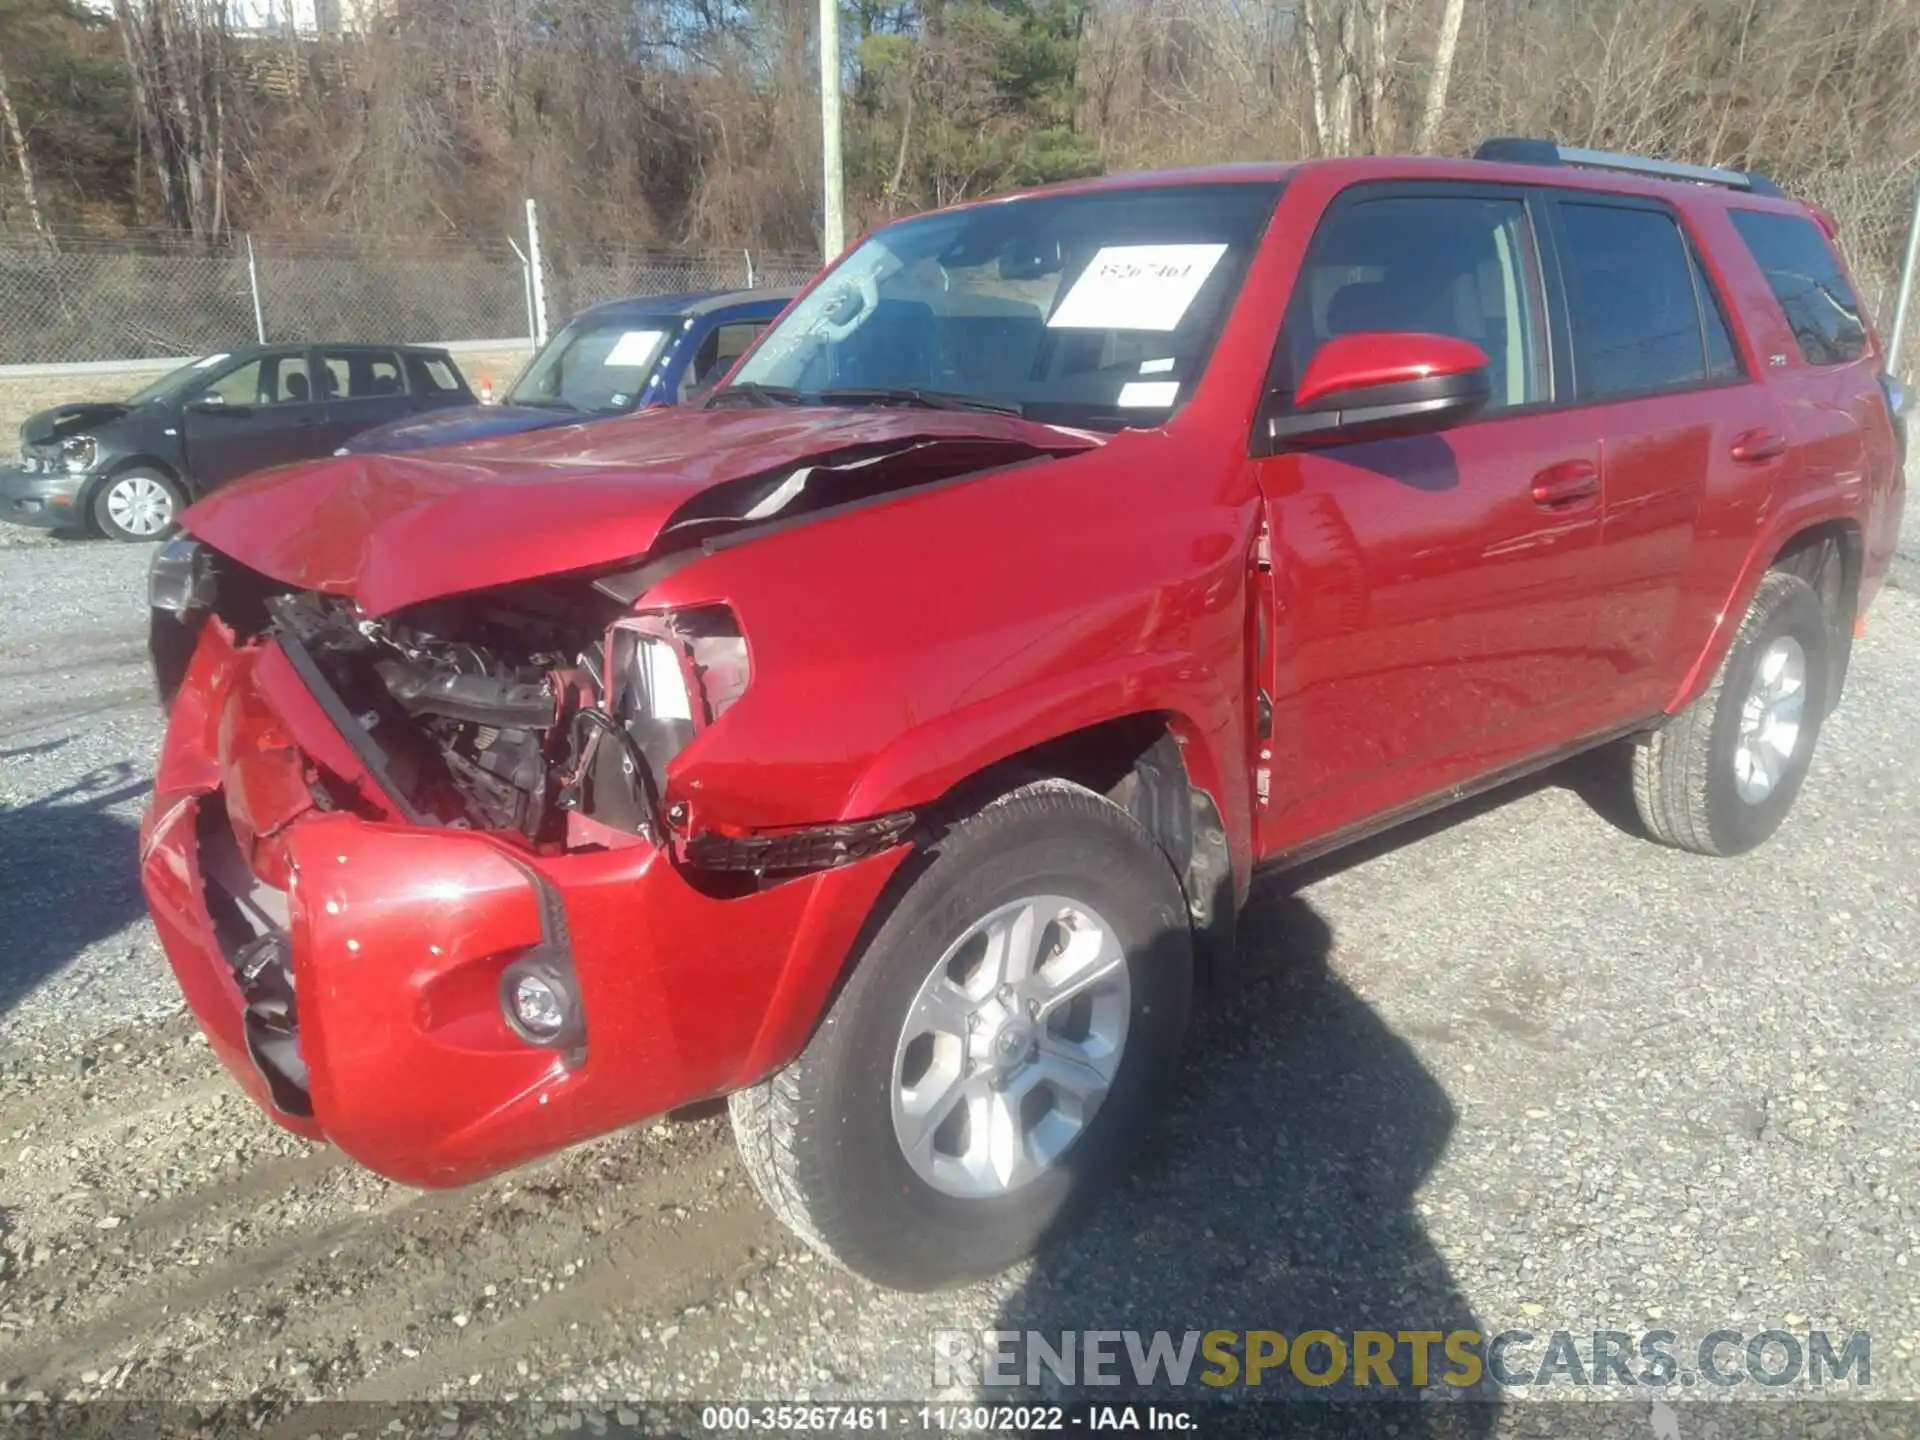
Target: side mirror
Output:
[(1379, 384), (207, 404)]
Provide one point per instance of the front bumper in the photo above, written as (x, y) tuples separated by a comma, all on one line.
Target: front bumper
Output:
[(49, 501), (394, 937)]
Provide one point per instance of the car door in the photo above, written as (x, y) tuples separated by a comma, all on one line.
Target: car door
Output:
[(261, 411), (1431, 596), (1684, 430), (364, 387)]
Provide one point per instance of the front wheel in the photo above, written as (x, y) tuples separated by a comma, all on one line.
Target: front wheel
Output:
[(137, 505), (995, 1054)]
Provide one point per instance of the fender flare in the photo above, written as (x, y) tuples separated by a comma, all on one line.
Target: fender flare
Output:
[(1788, 523), (931, 760)]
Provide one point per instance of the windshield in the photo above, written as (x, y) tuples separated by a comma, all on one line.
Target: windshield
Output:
[(1094, 308), (175, 381), (594, 365)]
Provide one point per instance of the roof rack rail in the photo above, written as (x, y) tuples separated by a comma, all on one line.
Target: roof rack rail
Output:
[(1517, 151)]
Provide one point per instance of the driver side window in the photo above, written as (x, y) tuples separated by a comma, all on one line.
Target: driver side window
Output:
[(270, 380), (1462, 266)]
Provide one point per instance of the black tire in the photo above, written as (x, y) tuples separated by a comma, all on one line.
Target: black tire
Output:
[(818, 1137), (145, 482), (1684, 782)]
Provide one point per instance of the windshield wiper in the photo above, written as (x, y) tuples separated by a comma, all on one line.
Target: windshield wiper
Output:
[(554, 404), (909, 395), (752, 392)]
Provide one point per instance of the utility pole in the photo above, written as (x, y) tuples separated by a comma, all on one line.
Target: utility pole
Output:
[(833, 231), (1907, 268), (537, 265)]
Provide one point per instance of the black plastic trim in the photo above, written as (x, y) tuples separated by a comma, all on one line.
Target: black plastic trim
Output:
[(361, 743), (1379, 411)]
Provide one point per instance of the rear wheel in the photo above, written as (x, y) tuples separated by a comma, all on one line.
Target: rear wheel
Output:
[(137, 505), (994, 1056), (1719, 778)]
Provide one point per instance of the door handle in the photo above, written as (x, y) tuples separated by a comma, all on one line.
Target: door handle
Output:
[(1566, 483), (1756, 447)]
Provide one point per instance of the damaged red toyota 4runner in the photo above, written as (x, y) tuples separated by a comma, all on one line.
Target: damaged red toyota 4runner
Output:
[(888, 742)]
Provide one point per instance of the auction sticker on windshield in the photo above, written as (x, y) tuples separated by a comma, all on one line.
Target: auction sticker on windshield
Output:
[(1136, 287), (635, 347)]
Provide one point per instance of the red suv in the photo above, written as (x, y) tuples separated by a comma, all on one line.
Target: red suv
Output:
[(889, 741)]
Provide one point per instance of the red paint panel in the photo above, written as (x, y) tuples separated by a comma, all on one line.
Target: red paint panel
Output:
[(1354, 362)]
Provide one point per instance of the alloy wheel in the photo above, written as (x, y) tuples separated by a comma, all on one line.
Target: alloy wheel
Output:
[(1770, 720), (1010, 1046)]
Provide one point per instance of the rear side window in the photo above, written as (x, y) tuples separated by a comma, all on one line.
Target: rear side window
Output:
[(1630, 296), (432, 376), (362, 374), (1723, 361), (1463, 266), (1808, 282)]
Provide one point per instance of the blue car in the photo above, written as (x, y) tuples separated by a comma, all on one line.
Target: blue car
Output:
[(614, 359)]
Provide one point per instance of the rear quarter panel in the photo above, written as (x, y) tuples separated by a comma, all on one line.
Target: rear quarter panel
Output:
[(1842, 468)]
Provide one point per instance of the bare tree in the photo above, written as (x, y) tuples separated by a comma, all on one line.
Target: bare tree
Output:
[(10, 120), (177, 57), (1442, 73)]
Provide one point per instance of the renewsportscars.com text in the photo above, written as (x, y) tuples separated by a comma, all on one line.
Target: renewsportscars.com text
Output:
[(1379, 1360)]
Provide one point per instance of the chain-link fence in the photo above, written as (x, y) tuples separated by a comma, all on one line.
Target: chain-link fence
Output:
[(75, 298)]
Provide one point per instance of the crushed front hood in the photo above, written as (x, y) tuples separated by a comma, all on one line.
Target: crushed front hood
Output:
[(393, 530), (64, 420)]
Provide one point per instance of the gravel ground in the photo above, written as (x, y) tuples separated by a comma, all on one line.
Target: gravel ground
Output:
[(1515, 1068)]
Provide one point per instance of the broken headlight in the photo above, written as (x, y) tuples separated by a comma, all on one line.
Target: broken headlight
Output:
[(180, 577), (669, 677), (77, 453)]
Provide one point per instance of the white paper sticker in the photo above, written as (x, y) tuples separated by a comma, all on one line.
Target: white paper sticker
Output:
[(1147, 394), (1156, 367), (1136, 287), (633, 349)]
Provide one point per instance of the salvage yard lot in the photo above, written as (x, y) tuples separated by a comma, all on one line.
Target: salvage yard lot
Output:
[(1515, 1068)]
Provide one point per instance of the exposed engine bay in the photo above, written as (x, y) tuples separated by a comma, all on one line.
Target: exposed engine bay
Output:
[(518, 706), (478, 730)]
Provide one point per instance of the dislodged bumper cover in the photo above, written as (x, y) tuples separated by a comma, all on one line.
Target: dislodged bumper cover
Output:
[(398, 935)]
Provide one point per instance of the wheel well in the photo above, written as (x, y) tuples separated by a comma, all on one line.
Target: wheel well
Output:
[(120, 467), (1137, 762), (1828, 557)]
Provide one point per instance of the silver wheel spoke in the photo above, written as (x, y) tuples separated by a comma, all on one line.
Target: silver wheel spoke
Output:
[(1073, 1070), (1011, 945), (997, 1152), (927, 1107), (1092, 957), (941, 1008)]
